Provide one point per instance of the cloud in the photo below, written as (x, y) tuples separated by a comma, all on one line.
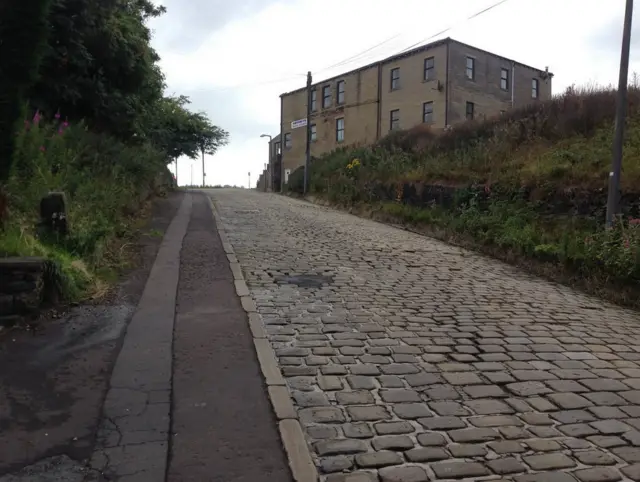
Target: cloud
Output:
[(190, 22), (608, 37)]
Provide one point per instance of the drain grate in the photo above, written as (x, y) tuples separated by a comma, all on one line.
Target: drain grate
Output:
[(305, 280)]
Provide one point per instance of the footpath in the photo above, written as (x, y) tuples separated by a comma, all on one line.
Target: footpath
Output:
[(208, 418), (184, 397)]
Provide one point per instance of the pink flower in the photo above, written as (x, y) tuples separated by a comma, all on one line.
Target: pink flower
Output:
[(42, 149), (65, 124), (634, 222), (57, 116), (37, 117)]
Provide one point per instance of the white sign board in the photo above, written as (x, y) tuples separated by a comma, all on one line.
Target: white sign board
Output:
[(299, 123)]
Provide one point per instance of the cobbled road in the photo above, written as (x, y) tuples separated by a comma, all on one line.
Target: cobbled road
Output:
[(409, 360)]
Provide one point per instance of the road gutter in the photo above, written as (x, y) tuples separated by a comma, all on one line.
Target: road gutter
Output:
[(298, 455)]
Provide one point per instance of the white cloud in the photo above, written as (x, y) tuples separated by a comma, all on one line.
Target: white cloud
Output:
[(233, 68)]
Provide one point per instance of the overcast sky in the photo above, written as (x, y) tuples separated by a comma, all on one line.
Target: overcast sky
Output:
[(234, 59)]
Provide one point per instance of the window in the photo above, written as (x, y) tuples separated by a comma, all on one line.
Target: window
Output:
[(340, 91), (471, 107), (326, 96), (471, 68), (534, 88), (340, 129), (395, 79), (287, 140), (427, 112), (429, 71), (314, 133), (394, 120), (504, 79), (278, 149), (314, 100)]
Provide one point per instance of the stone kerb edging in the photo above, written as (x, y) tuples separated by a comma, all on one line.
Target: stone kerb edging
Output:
[(302, 467)]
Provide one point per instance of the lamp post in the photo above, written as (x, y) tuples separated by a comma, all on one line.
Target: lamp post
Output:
[(268, 170)]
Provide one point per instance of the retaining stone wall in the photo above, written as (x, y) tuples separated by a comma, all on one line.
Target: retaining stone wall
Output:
[(21, 288)]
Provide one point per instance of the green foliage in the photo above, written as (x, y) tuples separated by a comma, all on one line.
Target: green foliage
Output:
[(102, 178), (23, 33), (179, 132), (99, 65), (103, 132)]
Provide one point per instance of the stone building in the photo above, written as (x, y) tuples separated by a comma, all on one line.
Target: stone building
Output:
[(438, 84)]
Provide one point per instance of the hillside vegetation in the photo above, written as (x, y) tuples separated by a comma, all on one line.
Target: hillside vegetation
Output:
[(528, 187), (83, 111)]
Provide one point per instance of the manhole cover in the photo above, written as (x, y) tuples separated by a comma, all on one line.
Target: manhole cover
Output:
[(305, 280)]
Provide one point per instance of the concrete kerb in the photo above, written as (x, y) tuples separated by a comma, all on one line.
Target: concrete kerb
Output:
[(295, 445)]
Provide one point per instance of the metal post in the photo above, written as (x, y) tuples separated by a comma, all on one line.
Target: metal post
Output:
[(621, 112), (177, 185), (203, 173), (191, 184), (308, 152), (249, 179)]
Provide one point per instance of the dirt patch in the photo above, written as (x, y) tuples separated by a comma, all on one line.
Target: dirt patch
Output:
[(53, 381)]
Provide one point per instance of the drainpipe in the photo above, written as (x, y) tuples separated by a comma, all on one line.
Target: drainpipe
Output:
[(446, 90), (513, 84), (379, 115), (281, 146)]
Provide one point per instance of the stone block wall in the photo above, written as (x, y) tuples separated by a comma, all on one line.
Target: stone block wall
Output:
[(21, 288)]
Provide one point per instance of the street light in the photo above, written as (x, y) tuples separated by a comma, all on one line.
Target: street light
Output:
[(268, 161)]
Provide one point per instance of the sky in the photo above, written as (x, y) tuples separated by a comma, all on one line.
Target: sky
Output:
[(234, 59)]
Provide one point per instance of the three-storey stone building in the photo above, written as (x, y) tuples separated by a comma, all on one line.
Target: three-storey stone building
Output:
[(439, 84)]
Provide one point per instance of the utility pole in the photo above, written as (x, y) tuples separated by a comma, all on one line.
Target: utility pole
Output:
[(266, 176), (308, 152), (203, 173), (249, 179), (177, 185), (191, 166), (613, 199), (269, 163)]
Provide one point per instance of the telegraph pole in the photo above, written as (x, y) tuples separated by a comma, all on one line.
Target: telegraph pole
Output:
[(308, 152), (613, 198), (249, 179)]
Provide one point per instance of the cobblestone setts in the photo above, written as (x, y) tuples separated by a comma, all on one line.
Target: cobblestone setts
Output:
[(420, 361)]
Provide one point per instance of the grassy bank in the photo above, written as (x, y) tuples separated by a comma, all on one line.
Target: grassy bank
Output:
[(106, 184), (547, 151)]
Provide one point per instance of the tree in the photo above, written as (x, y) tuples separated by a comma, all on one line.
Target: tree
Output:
[(209, 138), (23, 34), (99, 65)]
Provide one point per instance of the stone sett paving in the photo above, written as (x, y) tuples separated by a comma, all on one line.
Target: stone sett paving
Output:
[(416, 361)]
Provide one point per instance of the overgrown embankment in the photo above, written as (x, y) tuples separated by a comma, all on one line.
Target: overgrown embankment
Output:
[(528, 187), (106, 184)]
